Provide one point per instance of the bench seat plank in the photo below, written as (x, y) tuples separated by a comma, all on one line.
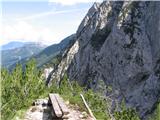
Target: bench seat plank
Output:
[(55, 105), (62, 105)]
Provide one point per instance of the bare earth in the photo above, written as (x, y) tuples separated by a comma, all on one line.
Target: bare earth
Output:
[(39, 112)]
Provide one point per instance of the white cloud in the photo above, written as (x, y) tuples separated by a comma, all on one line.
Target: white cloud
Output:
[(26, 28), (72, 2), (23, 31), (48, 13)]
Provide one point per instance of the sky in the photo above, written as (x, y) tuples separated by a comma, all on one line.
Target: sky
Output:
[(43, 21)]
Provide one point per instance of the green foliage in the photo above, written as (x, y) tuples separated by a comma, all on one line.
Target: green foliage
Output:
[(19, 89), (20, 114), (109, 88), (126, 113), (53, 61), (156, 114), (97, 104), (71, 90)]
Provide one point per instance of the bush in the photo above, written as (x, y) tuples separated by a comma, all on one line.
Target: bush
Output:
[(71, 90), (19, 89), (126, 113), (97, 105), (156, 114)]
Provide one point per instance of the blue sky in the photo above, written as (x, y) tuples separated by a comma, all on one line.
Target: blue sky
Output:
[(42, 21)]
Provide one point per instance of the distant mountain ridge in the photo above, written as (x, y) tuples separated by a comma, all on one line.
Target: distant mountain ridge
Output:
[(16, 44), (48, 54), (12, 54), (51, 51), (12, 45)]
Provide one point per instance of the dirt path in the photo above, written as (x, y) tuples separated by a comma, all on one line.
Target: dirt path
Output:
[(43, 112)]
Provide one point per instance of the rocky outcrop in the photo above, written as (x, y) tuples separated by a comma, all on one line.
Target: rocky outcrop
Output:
[(64, 60), (119, 49), (62, 67)]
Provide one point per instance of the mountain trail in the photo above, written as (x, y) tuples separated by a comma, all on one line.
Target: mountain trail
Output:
[(42, 111)]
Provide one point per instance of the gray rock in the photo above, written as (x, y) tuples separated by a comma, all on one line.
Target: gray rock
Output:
[(119, 44), (41, 102)]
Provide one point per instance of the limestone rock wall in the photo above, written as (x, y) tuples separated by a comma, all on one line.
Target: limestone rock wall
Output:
[(119, 43), (118, 48)]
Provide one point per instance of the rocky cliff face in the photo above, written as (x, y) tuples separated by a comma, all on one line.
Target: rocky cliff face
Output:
[(118, 46)]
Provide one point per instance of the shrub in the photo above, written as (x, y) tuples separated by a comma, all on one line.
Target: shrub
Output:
[(97, 104), (156, 114), (71, 92), (126, 113), (19, 89)]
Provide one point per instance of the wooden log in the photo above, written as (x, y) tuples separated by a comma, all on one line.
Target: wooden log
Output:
[(55, 105), (62, 105), (65, 117), (89, 110)]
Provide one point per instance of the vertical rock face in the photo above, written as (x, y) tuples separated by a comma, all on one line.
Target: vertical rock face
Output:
[(67, 58), (119, 44), (118, 52)]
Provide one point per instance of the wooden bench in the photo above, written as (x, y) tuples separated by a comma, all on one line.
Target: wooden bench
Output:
[(60, 110)]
